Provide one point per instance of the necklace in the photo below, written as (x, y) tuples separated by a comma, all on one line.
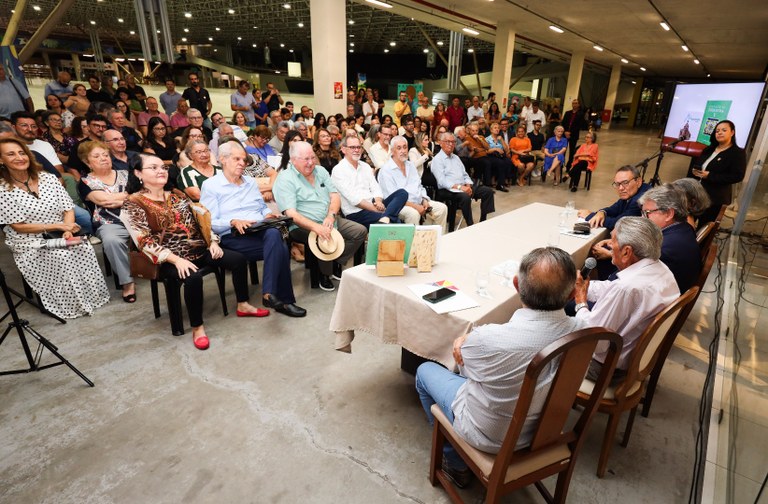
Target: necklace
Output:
[(26, 185)]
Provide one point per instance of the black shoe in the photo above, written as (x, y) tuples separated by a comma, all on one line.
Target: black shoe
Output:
[(573, 188), (460, 478), (289, 309), (326, 284), (501, 188), (336, 272)]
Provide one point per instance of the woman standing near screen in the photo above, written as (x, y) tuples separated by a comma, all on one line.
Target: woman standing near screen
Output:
[(721, 165)]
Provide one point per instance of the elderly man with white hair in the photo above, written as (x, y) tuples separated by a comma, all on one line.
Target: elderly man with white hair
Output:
[(400, 173), (305, 192), (629, 300), (235, 204)]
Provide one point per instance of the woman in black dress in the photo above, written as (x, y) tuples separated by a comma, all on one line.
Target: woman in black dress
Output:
[(158, 143)]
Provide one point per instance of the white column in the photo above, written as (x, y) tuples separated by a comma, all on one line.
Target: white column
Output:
[(502, 62), (613, 88), (574, 81), (329, 54)]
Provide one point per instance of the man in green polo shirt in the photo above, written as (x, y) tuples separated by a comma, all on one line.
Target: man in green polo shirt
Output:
[(304, 191)]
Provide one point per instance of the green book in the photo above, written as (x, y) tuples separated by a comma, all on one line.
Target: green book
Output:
[(714, 112), (378, 232)]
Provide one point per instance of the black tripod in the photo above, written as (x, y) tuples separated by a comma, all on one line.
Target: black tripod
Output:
[(658, 156), (23, 328)]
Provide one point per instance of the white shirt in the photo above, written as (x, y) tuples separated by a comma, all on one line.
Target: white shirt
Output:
[(391, 179), (379, 155), (628, 304), (237, 132), (355, 185), (46, 150), (418, 159), (370, 108), (533, 116), (474, 112)]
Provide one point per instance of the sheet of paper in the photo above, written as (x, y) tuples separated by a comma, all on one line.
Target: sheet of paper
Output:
[(458, 302), (274, 161)]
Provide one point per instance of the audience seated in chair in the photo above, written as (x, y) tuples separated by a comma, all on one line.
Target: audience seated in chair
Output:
[(493, 359)]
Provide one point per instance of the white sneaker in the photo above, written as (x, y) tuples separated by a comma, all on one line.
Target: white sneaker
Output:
[(94, 240), (536, 173)]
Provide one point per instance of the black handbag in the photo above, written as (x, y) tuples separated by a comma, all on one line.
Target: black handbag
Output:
[(280, 223)]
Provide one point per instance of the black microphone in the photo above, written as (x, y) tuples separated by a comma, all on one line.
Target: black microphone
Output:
[(589, 265), (675, 142)]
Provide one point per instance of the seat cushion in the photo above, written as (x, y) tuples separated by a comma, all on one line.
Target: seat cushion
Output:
[(517, 469), (587, 386)]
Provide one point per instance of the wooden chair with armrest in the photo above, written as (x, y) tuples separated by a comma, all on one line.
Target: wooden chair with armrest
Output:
[(708, 232), (555, 446), (666, 347), (626, 395)]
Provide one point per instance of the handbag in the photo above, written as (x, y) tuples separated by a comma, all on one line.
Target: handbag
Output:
[(280, 223), (142, 266)]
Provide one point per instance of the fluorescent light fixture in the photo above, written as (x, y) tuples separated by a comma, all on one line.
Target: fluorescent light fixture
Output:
[(120, 59), (377, 3), (393, 44), (88, 55), (132, 32), (93, 22), (120, 20), (37, 8), (277, 71), (440, 43), (598, 48), (556, 29), (696, 61), (351, 44), (685, 47), (239, 38), (624, 60), (664, 25), (186, 30), (470, 50), (187, 14), (253, 45), (386, 50), (183, 39), (290, 50), (470, 31), (282, 45), (634, 82), (300, 25), (210, 39), (351, 21), (218, 29), (286, 6), (426, 51), (231, 11), (642, 68), (351, 50)]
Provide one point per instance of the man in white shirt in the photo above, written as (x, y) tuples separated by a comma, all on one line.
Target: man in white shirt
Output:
[(400, 173), (276, 142), (534, 115), (475, 111), (493, 360), (628, 301), (362, 200), (527, 109), (380, 150)]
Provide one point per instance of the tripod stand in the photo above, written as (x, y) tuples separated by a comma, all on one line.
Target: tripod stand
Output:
[(658, 156), (23, 328)]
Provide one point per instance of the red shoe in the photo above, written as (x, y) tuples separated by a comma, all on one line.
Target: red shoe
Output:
[(260, 312), (201, 342)]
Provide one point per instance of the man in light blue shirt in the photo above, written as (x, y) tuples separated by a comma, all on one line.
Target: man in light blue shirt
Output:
[(60, 87), (235, 202), (242, 100), (454, 186)]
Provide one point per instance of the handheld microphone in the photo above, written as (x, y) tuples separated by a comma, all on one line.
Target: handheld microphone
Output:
[(589, 265)]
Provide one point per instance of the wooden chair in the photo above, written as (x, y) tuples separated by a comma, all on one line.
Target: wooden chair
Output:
[(554, 448), (666, 347), (626, 395)]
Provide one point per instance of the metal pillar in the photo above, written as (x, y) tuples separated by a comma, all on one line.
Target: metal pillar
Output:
[(13, 24), (141, 23), (454, 59), (98, 54), (165, 27), (76, 66), (150, 7), (45, 29)]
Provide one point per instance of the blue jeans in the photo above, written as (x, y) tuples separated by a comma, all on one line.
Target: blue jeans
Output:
[(393, 203), (437, 385), (83, 219)]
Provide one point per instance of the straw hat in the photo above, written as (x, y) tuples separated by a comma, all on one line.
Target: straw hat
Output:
[(326, 250)]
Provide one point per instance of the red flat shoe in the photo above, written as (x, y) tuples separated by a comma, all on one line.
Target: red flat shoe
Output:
[(260, 312), (201, 342)]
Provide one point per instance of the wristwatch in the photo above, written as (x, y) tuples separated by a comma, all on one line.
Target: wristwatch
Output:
[(580, 306)]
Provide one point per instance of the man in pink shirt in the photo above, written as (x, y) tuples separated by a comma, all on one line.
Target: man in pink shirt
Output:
[(152, 111)]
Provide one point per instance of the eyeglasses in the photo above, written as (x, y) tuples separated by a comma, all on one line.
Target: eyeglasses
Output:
[(646, 213), (155, 168), (624, 183), (354, 147), (97, 125), (206, 151)]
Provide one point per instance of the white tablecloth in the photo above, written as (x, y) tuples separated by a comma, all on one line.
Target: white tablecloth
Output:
[(386, 308)]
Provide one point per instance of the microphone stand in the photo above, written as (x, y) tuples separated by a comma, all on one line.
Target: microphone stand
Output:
[(658, 156)]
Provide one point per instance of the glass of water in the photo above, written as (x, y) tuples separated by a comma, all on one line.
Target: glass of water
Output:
[(482, 279)]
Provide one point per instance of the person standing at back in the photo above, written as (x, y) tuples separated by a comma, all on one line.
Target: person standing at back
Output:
[(198, 97)]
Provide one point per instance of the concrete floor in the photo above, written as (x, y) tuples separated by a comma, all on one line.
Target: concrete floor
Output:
[(271, 413)]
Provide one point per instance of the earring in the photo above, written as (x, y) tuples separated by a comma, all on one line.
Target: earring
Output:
[(141, 181)]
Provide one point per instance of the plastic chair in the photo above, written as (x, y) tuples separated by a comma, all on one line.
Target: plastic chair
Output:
[(626, 395), (555, 447)]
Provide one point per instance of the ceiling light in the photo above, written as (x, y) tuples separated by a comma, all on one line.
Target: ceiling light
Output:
[(664, 25), (685, 47), (290, 50), (36, 7), (93, 22), (183, 39), (470, 31), (351, 50), (187, 14), (239, 38), (642, 68), (186, 30), (624, 60), (351, 44), (386, 50), (254, 45), (210, 38), (218, 29), (709, 75), (255, 27), (300, 25), (556, 29), (231, 11), (393, 44), (351, 21), (634, 82), (696, 61), (440, 43), (470, 50), (120, 20), (120, 59), (277, 71), (215, 50), (282, 45), (426, 51), (132, 32), (286, 6), (598, 48), (158, 31), (379, 4)]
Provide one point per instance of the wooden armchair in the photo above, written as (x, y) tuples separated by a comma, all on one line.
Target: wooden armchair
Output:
[(626, 395), (555, 446)]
